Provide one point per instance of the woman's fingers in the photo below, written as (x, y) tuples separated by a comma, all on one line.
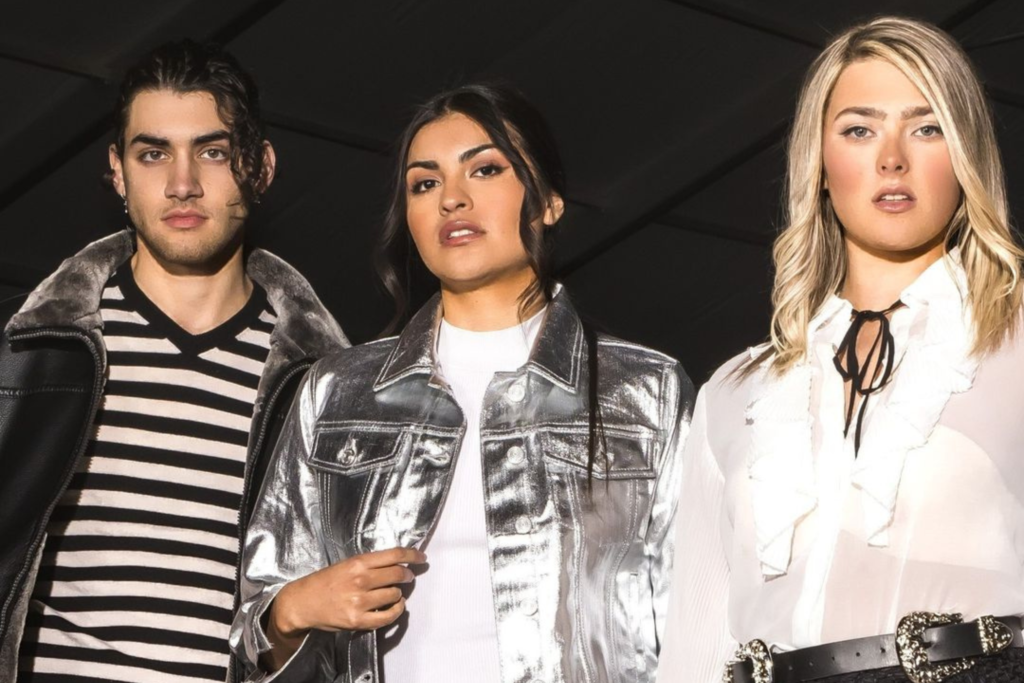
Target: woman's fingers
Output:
[(381, 598), (391, 556), (348, 595), (374, 620), (388, 576)]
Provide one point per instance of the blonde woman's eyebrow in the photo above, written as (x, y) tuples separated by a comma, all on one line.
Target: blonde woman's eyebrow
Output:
[(869, 112), (874, 113), (916, 112)]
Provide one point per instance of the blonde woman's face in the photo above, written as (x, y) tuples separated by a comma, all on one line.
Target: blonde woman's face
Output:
[(887, 167)]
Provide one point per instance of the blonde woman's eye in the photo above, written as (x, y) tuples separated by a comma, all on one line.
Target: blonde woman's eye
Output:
[(857, 132), (929, 131)]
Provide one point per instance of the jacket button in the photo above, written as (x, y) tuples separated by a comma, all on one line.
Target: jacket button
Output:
[(348, 456), (523, 524), (516, 455), (529, 607), (441, 459), (516, 392)]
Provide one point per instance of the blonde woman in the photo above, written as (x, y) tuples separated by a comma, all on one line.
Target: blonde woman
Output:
[(853, 502)]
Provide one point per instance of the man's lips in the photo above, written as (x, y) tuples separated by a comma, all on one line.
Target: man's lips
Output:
[(457, 233), (183, 219)]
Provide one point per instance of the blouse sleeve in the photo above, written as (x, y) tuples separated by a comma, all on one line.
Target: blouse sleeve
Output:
[(697, 638)]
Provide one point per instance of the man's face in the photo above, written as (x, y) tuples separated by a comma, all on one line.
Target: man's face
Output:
[(177, 180)]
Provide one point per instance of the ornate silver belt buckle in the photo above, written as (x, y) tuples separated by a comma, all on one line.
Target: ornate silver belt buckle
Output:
[(759, 656), (995, 636), (913, 653)]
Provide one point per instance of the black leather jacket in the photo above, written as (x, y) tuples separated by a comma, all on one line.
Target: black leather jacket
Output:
[(53, 369)]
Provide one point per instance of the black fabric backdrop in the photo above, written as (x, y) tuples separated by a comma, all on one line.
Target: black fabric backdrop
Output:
[(671, 116)]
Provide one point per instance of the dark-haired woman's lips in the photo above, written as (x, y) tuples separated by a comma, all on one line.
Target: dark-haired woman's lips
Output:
[(457, 233)]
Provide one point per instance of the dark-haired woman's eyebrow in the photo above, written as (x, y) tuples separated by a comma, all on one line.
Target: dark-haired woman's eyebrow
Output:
[(470, 153), (429, 165)]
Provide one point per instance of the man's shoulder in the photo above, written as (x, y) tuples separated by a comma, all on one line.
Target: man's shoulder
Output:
[(9, 306)]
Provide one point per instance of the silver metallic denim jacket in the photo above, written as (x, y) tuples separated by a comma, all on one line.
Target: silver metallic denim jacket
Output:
[(579, 573)]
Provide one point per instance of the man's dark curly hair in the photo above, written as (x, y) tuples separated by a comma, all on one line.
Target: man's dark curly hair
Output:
[(187, 66)]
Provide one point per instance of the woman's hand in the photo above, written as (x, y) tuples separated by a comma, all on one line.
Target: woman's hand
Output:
[(358, 594)]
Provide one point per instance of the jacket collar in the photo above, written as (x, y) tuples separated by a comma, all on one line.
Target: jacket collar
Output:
[(557, 354), (70, 297)]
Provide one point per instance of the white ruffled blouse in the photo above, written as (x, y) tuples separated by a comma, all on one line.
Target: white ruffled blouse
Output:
[(784, 533)]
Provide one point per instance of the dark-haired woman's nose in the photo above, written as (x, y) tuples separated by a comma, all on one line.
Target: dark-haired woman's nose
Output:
[(454, 198)]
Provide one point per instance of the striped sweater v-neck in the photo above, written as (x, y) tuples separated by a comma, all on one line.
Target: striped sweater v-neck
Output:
[(138, 571)]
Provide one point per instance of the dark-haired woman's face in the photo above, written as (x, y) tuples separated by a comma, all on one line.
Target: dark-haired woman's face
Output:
[(463, 204)]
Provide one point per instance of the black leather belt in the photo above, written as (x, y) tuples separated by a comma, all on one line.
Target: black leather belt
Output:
[(929, 647)]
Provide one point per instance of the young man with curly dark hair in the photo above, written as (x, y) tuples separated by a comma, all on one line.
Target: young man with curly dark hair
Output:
[(141, 386)]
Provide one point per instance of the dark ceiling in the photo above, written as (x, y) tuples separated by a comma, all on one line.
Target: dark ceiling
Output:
[(671, 115)]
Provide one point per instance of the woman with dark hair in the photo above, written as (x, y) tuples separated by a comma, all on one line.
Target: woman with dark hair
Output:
[(853, 502), (535, 460)]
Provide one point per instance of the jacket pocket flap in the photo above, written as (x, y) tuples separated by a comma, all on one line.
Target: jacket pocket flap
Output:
[(353, 446), (622, 453)]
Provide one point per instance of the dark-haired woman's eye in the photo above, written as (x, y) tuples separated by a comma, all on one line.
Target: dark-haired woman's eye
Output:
[(422, 186), (489, 170)]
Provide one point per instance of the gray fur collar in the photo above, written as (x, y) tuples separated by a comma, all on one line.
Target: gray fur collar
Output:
[(70, 297)]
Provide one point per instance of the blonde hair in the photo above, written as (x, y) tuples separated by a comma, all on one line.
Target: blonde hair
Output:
[(809, 254)]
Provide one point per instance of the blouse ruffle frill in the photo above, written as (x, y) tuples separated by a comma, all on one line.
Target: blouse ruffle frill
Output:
[(934, 364)]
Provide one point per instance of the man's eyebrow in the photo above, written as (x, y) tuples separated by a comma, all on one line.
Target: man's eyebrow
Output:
[(147, 139), (215, 136), (470, 153), (869, 112), (156, 141)]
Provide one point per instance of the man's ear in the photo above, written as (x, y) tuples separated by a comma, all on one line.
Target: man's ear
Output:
[(269, 166), (555, 209), (116, 170)]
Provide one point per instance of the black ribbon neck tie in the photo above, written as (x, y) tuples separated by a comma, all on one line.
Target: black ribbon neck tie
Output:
[(882, 355)]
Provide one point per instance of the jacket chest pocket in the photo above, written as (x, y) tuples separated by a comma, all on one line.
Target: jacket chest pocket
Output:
[(620, 453), (354, 460), (353, 448), (608, 510), (381, 483)]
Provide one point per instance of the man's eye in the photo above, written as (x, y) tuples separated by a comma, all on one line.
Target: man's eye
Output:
[(215, 153), (151, 155)]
